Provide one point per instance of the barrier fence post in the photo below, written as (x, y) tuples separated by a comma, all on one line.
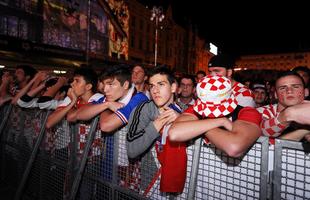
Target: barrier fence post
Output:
[(2, 148), (90, 139), (31, 159), (264, 168), (291, 163), (74, 129), (194, 172), (5, 119)]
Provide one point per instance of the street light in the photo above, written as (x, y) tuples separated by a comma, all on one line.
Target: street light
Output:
[(158, 16)]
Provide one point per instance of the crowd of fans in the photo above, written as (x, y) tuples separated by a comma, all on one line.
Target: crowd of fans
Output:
[(153, 107)]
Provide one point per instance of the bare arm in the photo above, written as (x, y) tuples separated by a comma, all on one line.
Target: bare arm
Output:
[(60, 113), (236, 142), (87, 112), (71, 116), (298, 113), (51, 91), (24, 90), (274, 126), (188, 126), (4, 87), (296, 135), (109, 121), (36, 90), (33, 84)]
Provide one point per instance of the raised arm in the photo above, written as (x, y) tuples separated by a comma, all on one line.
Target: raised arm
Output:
[(6, 79), (4, 88), (51, 91), (34, 84), (60, 113)]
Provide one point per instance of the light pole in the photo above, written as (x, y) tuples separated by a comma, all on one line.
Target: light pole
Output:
[(158, 16)]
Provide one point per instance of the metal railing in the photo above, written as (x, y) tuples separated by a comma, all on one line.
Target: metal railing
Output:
[(38, 163)]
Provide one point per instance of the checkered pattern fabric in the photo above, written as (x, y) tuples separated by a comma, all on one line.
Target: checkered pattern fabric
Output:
[(97, 145), (135, 176), (243, 95), (49, 141), (122, 149), (130, 176), (83, 131), (215, 97), (270, 126)]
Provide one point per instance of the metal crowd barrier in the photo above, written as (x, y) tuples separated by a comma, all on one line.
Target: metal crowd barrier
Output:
[(53, 167), (291, 170), (19, 130), (223, 177)]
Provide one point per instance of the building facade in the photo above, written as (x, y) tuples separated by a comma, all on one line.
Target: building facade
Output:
[(66, 34), (179, 47), (284, 61), (62, 34)]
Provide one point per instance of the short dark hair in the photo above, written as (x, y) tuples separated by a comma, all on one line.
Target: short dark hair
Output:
[(290, 73), (163, 70), (222, 60), (89, 76), (64, 89), (121, 72), (301, 68), (187, 76), (139, 65), (201, 72), (28, 70)]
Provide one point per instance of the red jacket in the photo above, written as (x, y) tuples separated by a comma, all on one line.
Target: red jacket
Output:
[(173, 160)]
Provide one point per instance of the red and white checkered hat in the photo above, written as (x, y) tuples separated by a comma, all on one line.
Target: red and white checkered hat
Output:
[(215, 97)]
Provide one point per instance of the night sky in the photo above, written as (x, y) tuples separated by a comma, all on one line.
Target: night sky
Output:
[(254, 27)]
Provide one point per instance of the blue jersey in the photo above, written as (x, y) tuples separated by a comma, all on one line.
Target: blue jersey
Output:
[(124, 113)]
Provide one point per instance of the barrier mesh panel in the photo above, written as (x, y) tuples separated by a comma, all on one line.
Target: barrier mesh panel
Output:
[(295, 174), (223, 177)]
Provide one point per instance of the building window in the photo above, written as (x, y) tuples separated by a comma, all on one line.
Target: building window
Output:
[(29, 6), (140, 44), (148, 28), (132, 41), (133, 22), (16, 27), (141, 24), (147, 45)]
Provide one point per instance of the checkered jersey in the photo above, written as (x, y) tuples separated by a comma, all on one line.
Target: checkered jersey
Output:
[(97, 145), (270, 125), (243, 95), (83, 131)]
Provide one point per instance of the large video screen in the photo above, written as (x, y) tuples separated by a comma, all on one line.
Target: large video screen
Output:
[(66, 25)]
